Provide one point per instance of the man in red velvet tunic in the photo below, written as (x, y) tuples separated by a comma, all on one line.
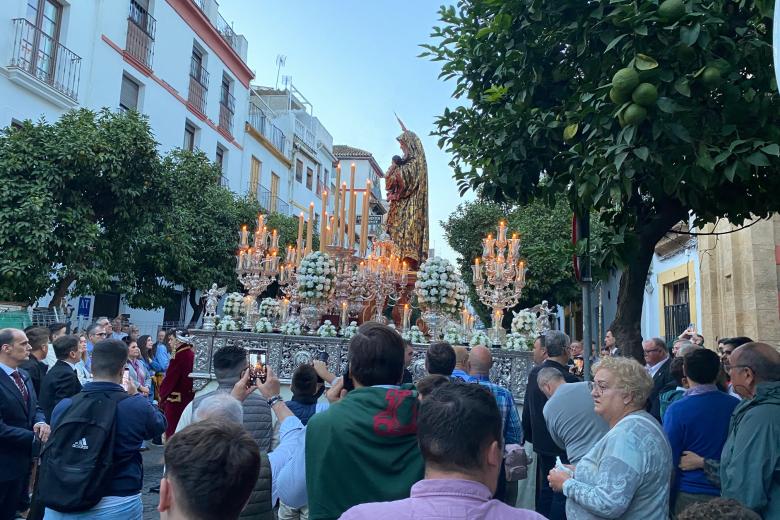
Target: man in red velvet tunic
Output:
[(176, 389)]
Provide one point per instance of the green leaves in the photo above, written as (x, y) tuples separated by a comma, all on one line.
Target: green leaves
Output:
[(644, 62), (689, 35)]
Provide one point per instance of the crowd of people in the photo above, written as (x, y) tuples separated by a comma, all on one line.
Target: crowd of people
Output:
[(689, 434)]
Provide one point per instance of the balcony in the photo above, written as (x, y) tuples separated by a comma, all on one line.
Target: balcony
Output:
[(263, 125), (141, 28), (305, 135), (271, 203), (227, 107), (45, 59), (199, 86), (237, 42)]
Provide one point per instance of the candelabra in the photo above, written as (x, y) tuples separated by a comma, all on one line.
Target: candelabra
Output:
[(257, 266), (500, 277), (384, 277)]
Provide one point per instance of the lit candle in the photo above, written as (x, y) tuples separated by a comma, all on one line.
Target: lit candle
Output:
[(520, 272), (344, 314), (324, 232), (338, 194), (240, 259), (284, 308), (342, 215), (324, 210), (260, 221), (274, 240), (332, 230), (352, 209), (501, 232), (309, 229), (364, 220), (476, 268), (299, 243), (244, 236), (406, 316)]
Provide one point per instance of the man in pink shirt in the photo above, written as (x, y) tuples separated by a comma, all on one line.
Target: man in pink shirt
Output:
[(460, 434)]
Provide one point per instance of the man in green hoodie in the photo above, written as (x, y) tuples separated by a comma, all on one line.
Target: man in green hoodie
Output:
[(364, 447), (750, 463)]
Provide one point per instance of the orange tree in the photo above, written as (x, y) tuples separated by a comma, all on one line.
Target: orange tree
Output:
[(640, 112)]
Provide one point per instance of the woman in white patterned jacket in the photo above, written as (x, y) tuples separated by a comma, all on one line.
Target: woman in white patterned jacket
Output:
[(627, 473)]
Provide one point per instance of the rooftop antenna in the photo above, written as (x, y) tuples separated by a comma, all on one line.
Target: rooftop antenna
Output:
[(281, 60)]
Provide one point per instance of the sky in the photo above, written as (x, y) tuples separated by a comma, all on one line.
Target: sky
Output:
[(356, 62)]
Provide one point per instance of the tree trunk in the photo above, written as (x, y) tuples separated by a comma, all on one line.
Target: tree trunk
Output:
[(628, 319), (61, 291), (197, 307)]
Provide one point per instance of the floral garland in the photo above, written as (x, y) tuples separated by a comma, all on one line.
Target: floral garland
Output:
[(350, 330), (291, 328), (439, 286), (480, 338), (227, 324), (315, 277), (524, 323), (515, 341), (415, 335), (269, 307), (327, 330), (264, 325), (233, 305), (453, 336)]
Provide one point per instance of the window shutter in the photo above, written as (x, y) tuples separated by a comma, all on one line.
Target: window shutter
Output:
[(128, 97)]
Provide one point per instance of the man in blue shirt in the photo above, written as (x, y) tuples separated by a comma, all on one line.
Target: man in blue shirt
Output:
[(480, 361), (699, 423), (461, 364), (95, 333), (136, 420)]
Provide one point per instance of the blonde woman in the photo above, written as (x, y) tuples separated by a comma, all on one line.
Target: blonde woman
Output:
[(81, 366), (627, 473)]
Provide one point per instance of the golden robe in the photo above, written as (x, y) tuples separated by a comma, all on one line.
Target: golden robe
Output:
[(407, 219)]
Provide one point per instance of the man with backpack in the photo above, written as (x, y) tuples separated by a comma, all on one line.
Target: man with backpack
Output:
[(92, 465)]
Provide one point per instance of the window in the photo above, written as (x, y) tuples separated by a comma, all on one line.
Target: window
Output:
[(299, 171), (319, 182), (45, 15), (199, 81), (219, 158), (254, 175), (190, 132), (128, 96), (274, 191), (309, 177), (677, 309), (326, 177), (15, 125)]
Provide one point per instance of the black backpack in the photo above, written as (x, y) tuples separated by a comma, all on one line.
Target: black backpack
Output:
[(77, 461)]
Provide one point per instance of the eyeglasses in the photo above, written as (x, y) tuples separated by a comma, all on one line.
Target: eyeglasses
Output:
[(602, 387), (100, 334)]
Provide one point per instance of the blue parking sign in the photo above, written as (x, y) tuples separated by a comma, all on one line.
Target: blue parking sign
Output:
[(85, 302)]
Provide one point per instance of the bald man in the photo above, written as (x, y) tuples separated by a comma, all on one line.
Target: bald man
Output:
[(480, 361), (750, 462), (461, 363)]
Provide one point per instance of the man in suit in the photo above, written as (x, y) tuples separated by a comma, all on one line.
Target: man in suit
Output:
[(35, 367), (658, 366), (61, 380), (22, 422), (551, 349)]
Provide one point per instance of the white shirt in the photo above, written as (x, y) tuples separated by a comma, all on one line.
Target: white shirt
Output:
[(653, 369)]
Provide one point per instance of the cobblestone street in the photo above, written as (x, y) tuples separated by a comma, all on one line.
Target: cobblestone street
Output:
[(153, 469)]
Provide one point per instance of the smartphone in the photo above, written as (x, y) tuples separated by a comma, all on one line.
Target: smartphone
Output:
[(126, 379), (258, 371), (322, 356)]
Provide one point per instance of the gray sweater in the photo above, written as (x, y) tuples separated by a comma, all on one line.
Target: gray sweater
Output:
[(573, 424)]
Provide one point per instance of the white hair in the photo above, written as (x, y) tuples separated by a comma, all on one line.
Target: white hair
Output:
[(220, 407)]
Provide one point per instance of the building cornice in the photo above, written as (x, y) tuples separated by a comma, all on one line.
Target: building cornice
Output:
[(260, 138), (199, 22)]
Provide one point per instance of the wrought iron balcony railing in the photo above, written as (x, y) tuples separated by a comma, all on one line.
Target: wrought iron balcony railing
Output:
[(199, 85), (263, 125), (227, 107), (141, 28), (271, 203), (45, 59)]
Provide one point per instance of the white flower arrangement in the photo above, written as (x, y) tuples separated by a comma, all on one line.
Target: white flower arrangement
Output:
[(291, 328), (264, 325), (227, 324), (415, 335), (524, 322), (233, 305), (439, 286), (269, 308), (316, 277), (327, 330), (480, 338), (350, 330), (515, 341), (453, 336)]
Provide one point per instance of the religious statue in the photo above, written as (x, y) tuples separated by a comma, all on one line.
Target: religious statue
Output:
[(545, 314), (212, 300), (406, 182)]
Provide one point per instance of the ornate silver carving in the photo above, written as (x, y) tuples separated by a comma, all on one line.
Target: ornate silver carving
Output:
[(285, 353)]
